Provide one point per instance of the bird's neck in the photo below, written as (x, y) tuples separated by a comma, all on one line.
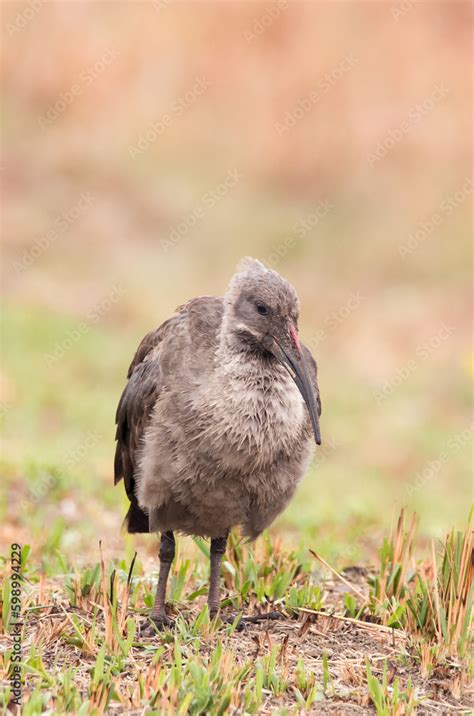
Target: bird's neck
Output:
[(255, 404), (242, 358), (243, 369), (246, 373)]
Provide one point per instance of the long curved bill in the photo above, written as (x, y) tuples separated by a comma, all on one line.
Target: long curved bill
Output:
[(293, 360)]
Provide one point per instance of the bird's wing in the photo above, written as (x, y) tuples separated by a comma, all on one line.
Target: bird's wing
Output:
[(160, 352), (313, 371), (137, 401), (135, 406)]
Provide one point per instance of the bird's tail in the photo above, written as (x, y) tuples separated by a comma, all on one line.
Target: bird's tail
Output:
[(136, 520)]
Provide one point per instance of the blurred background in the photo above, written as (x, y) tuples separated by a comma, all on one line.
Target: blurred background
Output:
[(147, 147)]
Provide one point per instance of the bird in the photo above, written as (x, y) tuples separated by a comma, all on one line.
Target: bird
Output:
[(217, 422)]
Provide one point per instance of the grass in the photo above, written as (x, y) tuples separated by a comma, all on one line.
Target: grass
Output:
[(404, 605), (59, 437), (390, 700), (380, 620), (406, 647), (397, 606)]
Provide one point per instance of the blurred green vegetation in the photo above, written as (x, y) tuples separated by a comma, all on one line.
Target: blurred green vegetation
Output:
[(379, 323)]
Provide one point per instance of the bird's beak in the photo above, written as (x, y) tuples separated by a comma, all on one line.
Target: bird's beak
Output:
[(292, 358)]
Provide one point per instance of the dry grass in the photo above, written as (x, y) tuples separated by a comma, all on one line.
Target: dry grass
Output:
[(82, 652)]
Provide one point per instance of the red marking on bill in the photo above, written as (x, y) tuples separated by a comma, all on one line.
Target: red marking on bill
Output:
[(294, 335)]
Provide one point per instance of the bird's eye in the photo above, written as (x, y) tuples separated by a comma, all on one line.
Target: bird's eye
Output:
[(261, 308)]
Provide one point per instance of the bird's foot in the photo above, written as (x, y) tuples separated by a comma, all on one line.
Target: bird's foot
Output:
[(229, 619), (155, 624), (244, 621), (255, 618)]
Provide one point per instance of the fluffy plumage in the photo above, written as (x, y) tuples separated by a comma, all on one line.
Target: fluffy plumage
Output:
[(212, 431)]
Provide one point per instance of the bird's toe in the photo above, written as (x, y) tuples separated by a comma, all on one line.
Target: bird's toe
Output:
[(229, 619), (256, 618), (243, 621), (153, 625)]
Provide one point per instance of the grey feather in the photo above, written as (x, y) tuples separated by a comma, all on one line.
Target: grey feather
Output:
[(212, 431)]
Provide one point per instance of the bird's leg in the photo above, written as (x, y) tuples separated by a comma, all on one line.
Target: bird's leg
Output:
[(167, 544), (218, 545), (158, 612)]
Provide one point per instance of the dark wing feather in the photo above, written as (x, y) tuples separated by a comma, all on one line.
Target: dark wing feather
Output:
[(146, 375), (133, 412)]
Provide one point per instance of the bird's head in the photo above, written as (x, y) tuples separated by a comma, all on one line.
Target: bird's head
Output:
[(261, 317)]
